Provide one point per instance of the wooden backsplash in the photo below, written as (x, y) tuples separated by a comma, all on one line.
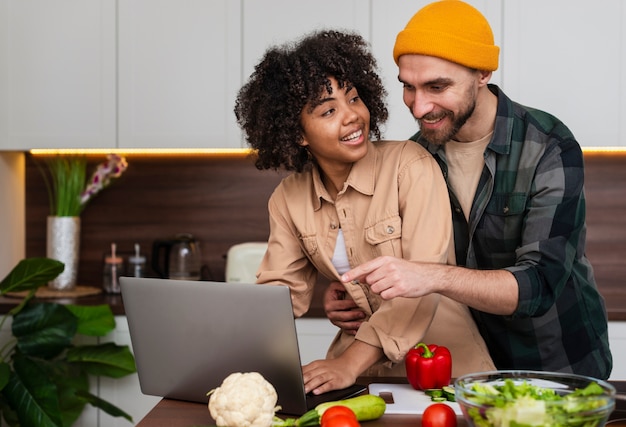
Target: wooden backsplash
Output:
[(222, 200)]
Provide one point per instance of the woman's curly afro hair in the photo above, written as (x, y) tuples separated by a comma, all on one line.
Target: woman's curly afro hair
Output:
[(292, 76)]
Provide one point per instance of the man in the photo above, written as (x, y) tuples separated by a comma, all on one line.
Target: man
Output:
[(515, 178)]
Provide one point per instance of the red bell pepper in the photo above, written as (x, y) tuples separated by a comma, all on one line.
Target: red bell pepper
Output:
[(428, 366)]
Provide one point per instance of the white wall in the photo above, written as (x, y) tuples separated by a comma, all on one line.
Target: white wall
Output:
[(12, 211)]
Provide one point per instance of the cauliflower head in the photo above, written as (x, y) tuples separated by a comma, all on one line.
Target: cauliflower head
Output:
[(243, 400)]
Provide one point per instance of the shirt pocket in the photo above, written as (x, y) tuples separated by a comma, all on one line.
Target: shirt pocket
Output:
[(385, 236), (309, 244), (500, 229), (507, 204)]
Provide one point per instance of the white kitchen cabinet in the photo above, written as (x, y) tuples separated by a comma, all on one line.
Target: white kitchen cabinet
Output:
[(57, 74), (179, 70), (565, 57), (165, 73), (617, 340), (568, 58), (270, 22), (127, 74), (125, 392)]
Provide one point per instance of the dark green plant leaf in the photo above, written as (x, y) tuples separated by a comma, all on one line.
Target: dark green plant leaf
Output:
[(108, 359), (31, 273), (44, 330), (70, 381), (93, 320), (32, 395), (104, 405), (5, 372)]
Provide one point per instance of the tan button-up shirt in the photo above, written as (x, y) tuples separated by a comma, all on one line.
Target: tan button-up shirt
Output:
[(394, 202)]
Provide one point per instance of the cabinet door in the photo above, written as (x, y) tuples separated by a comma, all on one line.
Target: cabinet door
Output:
[(179, 67), (568, 58), (57, 74), (270, 22)]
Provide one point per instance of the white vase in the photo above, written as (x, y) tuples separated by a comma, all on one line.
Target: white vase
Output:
[(63, 244)]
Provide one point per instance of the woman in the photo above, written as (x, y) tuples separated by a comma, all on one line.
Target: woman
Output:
[(310, 108)]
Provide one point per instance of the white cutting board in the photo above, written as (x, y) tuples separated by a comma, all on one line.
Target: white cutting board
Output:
[(407, 400)]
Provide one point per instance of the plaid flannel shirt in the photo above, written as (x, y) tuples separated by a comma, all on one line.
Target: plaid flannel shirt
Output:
[(528, 217)]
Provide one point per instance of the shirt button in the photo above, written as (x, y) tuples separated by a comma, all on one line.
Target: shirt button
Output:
[(390, 229), (457, 210), (506, 209), (333, 226)]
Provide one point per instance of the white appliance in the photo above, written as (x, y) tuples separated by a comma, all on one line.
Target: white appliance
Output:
[(243, 260)]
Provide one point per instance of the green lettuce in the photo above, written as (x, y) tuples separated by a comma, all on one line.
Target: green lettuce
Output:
[(523, 404)]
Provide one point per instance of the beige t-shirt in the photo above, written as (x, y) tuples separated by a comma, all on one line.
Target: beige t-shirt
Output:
[(465, 165)]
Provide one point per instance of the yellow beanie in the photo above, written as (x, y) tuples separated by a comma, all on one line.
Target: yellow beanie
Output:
[(452, 30)]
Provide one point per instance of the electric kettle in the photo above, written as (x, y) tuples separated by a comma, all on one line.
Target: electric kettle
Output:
[(177, 258)]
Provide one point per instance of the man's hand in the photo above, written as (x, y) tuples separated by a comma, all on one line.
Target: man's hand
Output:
[(341, 310), (491, 291), (392, 277)]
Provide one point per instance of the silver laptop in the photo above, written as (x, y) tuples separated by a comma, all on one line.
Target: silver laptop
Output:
[(187, 336)]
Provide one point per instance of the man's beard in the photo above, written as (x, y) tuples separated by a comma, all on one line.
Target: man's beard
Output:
[(444, 134)]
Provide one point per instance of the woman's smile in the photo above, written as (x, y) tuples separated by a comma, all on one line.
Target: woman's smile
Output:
[(354, 138)]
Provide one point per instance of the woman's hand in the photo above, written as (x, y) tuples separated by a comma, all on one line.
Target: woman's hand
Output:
[(325, 375)]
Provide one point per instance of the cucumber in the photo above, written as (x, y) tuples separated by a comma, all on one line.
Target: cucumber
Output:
[(366, 407), (448, 393), (433, 392)]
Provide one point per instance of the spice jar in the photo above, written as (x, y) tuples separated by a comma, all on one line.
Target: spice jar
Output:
[(136, 263), (113, 269)]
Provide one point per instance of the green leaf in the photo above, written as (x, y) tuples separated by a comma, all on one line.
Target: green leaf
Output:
[(108, 359), (104, 405), (93, 320), (5, 373), (31, 273), (44, 330), (32, 395), (70, 381), (66, 180)]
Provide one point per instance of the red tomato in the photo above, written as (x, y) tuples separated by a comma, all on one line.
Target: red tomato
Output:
[(439, 415), (339, 416), (341, 420)]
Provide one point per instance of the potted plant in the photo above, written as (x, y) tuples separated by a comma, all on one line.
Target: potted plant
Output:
[(44, 373), (69, 191)]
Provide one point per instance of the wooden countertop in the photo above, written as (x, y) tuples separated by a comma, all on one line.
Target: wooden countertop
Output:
[(615, 303), (114, 301), (175, 413)]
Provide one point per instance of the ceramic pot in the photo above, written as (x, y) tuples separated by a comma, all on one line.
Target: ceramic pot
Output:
[(63, 244)]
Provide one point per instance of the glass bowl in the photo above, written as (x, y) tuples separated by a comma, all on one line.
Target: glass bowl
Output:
[(533, 398)]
